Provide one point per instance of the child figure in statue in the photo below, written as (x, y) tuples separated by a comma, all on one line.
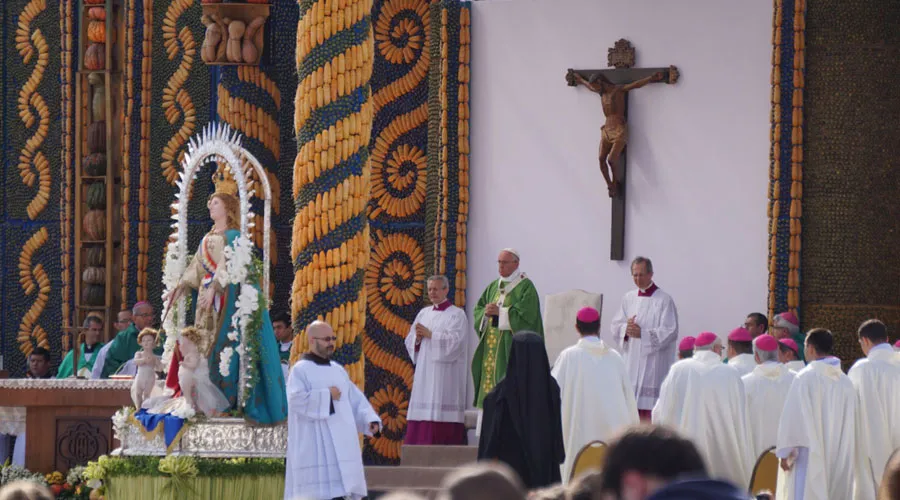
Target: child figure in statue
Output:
[(147, 365), (193, 375)]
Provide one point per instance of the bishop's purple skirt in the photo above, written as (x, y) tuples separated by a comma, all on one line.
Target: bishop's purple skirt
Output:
[(447, 433)]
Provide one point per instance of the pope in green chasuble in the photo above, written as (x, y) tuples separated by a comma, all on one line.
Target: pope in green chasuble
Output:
[(508, 305)]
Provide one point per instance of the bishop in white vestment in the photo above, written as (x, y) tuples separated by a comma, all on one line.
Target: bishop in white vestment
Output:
[(816, 432), (789, 355), (877, 381), (437, 344), (326, 414), (740, 351), (766, 388), (704, 400), (646, 329), (597, 398)]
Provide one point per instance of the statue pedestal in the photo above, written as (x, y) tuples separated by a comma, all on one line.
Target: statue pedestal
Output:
[(210, 438), (66, 421)]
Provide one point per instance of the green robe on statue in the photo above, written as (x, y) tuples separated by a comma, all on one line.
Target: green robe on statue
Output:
[(65, 368), (123, 348), (520, 310)]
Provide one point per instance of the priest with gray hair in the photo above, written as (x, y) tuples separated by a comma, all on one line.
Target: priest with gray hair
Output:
[(437, 344), (766, 389), (508, 305)]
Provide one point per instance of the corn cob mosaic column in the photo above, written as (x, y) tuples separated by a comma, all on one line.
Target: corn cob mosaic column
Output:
[(333, 117)]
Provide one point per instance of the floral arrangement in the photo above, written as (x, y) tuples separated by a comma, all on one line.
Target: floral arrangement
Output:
[(11, 473)]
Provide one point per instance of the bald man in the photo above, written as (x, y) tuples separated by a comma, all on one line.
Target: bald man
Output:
[(326, 412), (508, 305)]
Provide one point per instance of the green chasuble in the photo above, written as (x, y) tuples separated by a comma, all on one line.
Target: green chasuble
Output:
[(523, 309), (123, 348), (65, 368)]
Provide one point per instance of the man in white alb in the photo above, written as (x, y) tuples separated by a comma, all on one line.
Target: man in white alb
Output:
[(740, 351), (437, 343), (597, 398), (816, 432), (877, 381), (766, 388), (646, 329), (326, 413), (704, 400)]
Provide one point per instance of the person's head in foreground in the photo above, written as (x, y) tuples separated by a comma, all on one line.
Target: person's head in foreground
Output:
[(652, 462), (482, 481), (890, 481), (25, 490), (587, 486), (401, 495), (555, 492)]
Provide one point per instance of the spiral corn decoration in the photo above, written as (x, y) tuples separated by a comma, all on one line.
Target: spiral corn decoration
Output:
[(786, 187), (333, 117), (33, 279)]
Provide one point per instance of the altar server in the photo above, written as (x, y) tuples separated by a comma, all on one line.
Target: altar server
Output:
[(704, 399), (326, 412), (284, 334), (740, 351), (877, 380), (437, 344), (590, 414), (646, 329), (789, 355), (766, 388), (816, 432)]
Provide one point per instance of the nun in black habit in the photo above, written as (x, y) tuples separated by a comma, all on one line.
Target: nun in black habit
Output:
[(521, 424)]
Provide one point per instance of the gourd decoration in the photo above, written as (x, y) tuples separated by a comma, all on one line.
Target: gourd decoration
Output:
[(96, 195), (96, 140), (213, 39), (94, 2), (94, 275), (97, 13), (94, 225), (235, 32), (97, 31), (95, 57), (93, 295), (249, 48), (94, 164), (93, 256), (98, 103)]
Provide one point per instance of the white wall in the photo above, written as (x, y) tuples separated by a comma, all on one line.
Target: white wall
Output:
[(698, 154)]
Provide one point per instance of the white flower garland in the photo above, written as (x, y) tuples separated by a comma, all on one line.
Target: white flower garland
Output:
[(238, 262)]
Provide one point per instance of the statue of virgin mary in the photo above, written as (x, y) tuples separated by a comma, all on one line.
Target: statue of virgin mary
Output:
[(214, 305)]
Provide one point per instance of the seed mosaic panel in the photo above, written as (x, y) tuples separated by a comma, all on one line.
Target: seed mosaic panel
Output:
[(33, 88)]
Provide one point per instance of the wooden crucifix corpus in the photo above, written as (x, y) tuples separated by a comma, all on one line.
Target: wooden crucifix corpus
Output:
[(613, 86)]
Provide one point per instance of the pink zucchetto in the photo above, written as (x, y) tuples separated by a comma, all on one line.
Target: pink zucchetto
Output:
[(766, 343), (788, 321), (790, 344), (705, 339), (897, 344), (588, 315), (740, 334), (686, 344)]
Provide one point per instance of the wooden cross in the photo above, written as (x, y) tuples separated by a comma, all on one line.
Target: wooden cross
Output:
[(613, 86)]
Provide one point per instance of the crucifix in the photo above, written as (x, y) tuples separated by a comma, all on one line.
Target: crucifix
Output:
[(613, 86)]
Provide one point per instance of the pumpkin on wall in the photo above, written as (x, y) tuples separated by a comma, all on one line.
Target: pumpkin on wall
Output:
[(96, 140), (94, 164), (93, 295), (93, 256), (94, 225), (95, 57), (94, 275), (96, 195)]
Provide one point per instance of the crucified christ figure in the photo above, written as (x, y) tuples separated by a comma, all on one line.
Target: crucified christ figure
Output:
[(614, 133)]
